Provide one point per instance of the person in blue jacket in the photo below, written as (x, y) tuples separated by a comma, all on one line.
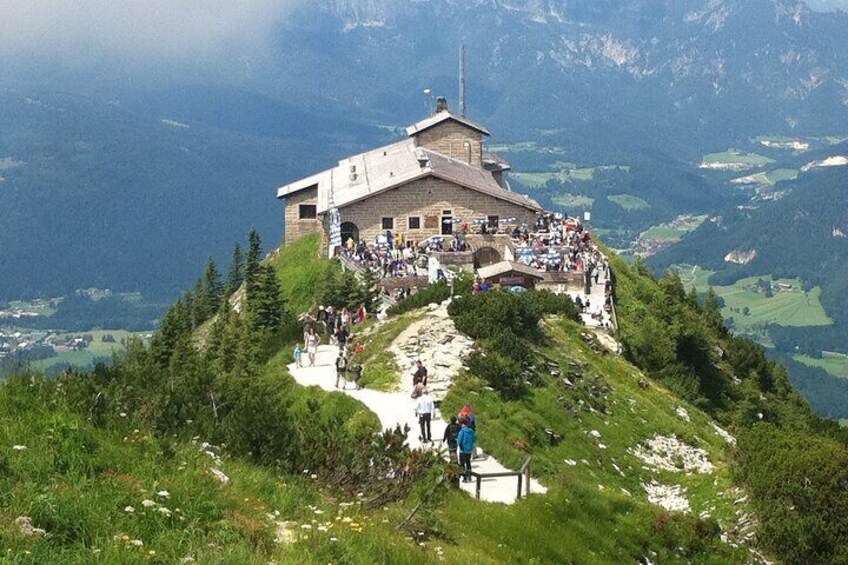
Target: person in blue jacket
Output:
[(465, 439)]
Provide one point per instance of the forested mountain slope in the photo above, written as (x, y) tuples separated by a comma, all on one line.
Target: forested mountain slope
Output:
[(299, 476)]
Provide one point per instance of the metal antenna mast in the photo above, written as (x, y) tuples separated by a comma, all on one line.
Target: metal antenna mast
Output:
[(462, 80)]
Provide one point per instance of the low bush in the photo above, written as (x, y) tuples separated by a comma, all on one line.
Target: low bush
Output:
[(433, 294)]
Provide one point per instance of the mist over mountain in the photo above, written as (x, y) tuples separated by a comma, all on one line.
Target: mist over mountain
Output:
[(604, 80)]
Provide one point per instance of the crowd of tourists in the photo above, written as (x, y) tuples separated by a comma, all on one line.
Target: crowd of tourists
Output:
[(389, 256), (336, 326), (556, 243)]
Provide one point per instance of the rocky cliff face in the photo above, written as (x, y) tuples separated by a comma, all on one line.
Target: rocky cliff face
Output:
[(768, 63)]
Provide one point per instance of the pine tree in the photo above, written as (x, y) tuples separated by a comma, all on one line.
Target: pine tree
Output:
[(265, 303), (370, 290), (254, 255), (236, 274), (212, 288), (176, 324), (199, 305)]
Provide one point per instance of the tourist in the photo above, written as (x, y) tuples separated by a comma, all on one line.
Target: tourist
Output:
[(451, 433), (466, 442), (468, 413), (312, 340), (297, 353), (341, 337), (346, 318), (425, 409), (361, 314), (420, 374), (341, 369)]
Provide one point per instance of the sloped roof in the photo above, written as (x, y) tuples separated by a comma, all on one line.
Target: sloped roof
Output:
[(503, 267), (440, 117), (367, 174)]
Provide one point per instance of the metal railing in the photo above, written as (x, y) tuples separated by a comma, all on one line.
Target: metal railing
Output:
[(523, 475)]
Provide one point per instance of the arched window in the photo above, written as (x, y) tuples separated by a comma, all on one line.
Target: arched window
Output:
[(349, 230)]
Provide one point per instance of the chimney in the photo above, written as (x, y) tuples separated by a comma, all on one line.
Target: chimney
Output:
[(441, 104)]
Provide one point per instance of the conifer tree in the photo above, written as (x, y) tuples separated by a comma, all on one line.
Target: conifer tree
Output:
[(370, 290), (212, 288), (176, 324), (254, 255), (199, 304), (236, 274), (265, 302)]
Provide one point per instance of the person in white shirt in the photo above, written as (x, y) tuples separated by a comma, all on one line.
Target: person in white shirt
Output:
[(424, 409)]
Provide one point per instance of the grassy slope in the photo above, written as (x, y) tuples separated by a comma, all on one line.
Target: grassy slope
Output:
[(301, 272), (587, 500), (629, 202)]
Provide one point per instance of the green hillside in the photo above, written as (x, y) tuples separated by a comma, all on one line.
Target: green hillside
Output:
[(299, 476)]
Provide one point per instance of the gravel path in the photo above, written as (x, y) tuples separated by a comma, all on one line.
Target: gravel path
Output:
[(397, 408)]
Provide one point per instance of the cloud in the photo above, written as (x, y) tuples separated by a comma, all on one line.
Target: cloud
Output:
[(142, 28), (828, 5)]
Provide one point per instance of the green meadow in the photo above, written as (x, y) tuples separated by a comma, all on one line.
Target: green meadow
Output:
[(834, 363), (751, 310), (629, 202)]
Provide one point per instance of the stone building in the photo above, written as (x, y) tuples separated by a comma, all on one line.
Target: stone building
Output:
[(426, 185)]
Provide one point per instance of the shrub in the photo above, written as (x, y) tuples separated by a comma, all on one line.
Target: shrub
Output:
[(433, 294)]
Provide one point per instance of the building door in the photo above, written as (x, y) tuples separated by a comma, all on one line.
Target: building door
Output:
[(486, 256), (447, 222), (349, 230)]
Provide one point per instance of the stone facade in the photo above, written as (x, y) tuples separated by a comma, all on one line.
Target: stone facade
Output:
[(295, 226), (455, 140), (426, 199)]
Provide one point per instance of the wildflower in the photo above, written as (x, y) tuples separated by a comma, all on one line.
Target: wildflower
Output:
[(129, 509), (313, 476), (147, 503), (137, 543), (151, 552), (220, 476), (19, 447), (319, 511), (322, 528), (123, 414), (306, 526), (334, 539), (163, 493), (164, 511)]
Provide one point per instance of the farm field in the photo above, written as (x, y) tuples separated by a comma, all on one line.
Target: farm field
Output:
[(752, 310), (569, 200), (834, 363), (675, 230), (628, 201), (736, 157), (563, 172), (85, 358)]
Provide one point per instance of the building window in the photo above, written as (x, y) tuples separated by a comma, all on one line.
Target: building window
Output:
[(447, 212), (414, 222), (308, 211), (388, 223), (493, 222)]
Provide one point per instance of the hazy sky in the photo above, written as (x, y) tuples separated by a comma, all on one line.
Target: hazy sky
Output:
[(828, 4), (145, 28), (78, 29)]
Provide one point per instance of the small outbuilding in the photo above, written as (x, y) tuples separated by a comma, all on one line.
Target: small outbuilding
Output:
[(509, 274)]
